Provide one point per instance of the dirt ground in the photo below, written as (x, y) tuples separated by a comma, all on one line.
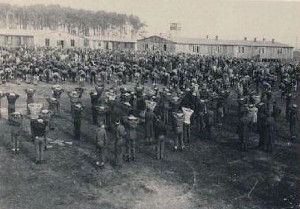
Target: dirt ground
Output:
[(210, 174)]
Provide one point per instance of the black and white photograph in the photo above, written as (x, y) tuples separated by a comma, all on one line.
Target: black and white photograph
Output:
[(149, 104)]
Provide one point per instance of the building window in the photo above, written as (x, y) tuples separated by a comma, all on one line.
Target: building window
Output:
[(279, 51), (47, 42), (197, 49), (86, 43), (241, 49), (262, 50), (72, 42), (146, 46), (165, 47), (8, 40)]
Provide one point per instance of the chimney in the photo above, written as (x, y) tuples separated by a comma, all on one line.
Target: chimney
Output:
[(264, 39), (273, 40), (217, 38), (254, 39), (245, 39)]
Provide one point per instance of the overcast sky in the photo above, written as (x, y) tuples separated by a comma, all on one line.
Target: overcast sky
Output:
[(227, 19)]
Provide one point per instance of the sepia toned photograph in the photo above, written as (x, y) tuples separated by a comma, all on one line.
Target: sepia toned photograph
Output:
[(149, 104)]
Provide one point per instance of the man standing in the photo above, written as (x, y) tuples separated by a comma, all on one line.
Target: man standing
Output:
[(15, 121), (30, 93), (1, 96), (287, 105), (149, 117), (77, 121), (119, 144), (244, 130), (160, 133), (261, 118), (101, 143), (270, 133), (293, 122), (178, 123), (57, 90), (187, 112), (131, 142), (74, 99), (53, 105), (11, 98), (39, 125), (94, 100)]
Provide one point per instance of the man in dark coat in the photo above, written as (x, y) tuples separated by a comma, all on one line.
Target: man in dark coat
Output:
[(270, 132), (101, 143), (244, 130), (178, 124), (160, 133), (11, 99), (119, 143), (94, 100), (29, 100), (39, 125), (77, 121), (293, 122)]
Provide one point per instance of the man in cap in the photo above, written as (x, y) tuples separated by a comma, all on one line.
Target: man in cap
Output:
[(29, 100), (149, 121), (209, 122), (94, 100), (119, 143), (53, 105), (187, 112), (261, 118), (160, 133), (11, 98), (131, 142), (101, 143), (74, 99), (57, 91), (293, 122), (244, 130), (77, 121), (15, 121), (252, 115), (46, 115), (270, 132), (1, 96), (39, 125), (178, 124)]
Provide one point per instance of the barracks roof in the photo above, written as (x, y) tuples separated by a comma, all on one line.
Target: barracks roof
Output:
[(217, 42), (229, 42)]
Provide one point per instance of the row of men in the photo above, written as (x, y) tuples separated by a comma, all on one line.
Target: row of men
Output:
[(111, 114)]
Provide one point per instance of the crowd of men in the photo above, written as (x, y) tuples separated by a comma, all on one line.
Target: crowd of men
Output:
[(156, 95)]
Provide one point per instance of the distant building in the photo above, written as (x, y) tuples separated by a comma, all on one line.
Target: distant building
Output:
[(59, 39), (296, 55), (263, 50), (48, 38), (156, 43), (12, 39)]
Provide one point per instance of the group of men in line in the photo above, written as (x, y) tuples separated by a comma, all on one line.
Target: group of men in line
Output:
[(156, 96)]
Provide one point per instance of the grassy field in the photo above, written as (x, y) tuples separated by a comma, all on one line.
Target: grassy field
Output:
[(210, 174)]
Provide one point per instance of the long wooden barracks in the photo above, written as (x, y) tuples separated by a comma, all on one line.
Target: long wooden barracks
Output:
[(264, 50)]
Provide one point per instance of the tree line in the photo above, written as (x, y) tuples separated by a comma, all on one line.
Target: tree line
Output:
[(75, 21)]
